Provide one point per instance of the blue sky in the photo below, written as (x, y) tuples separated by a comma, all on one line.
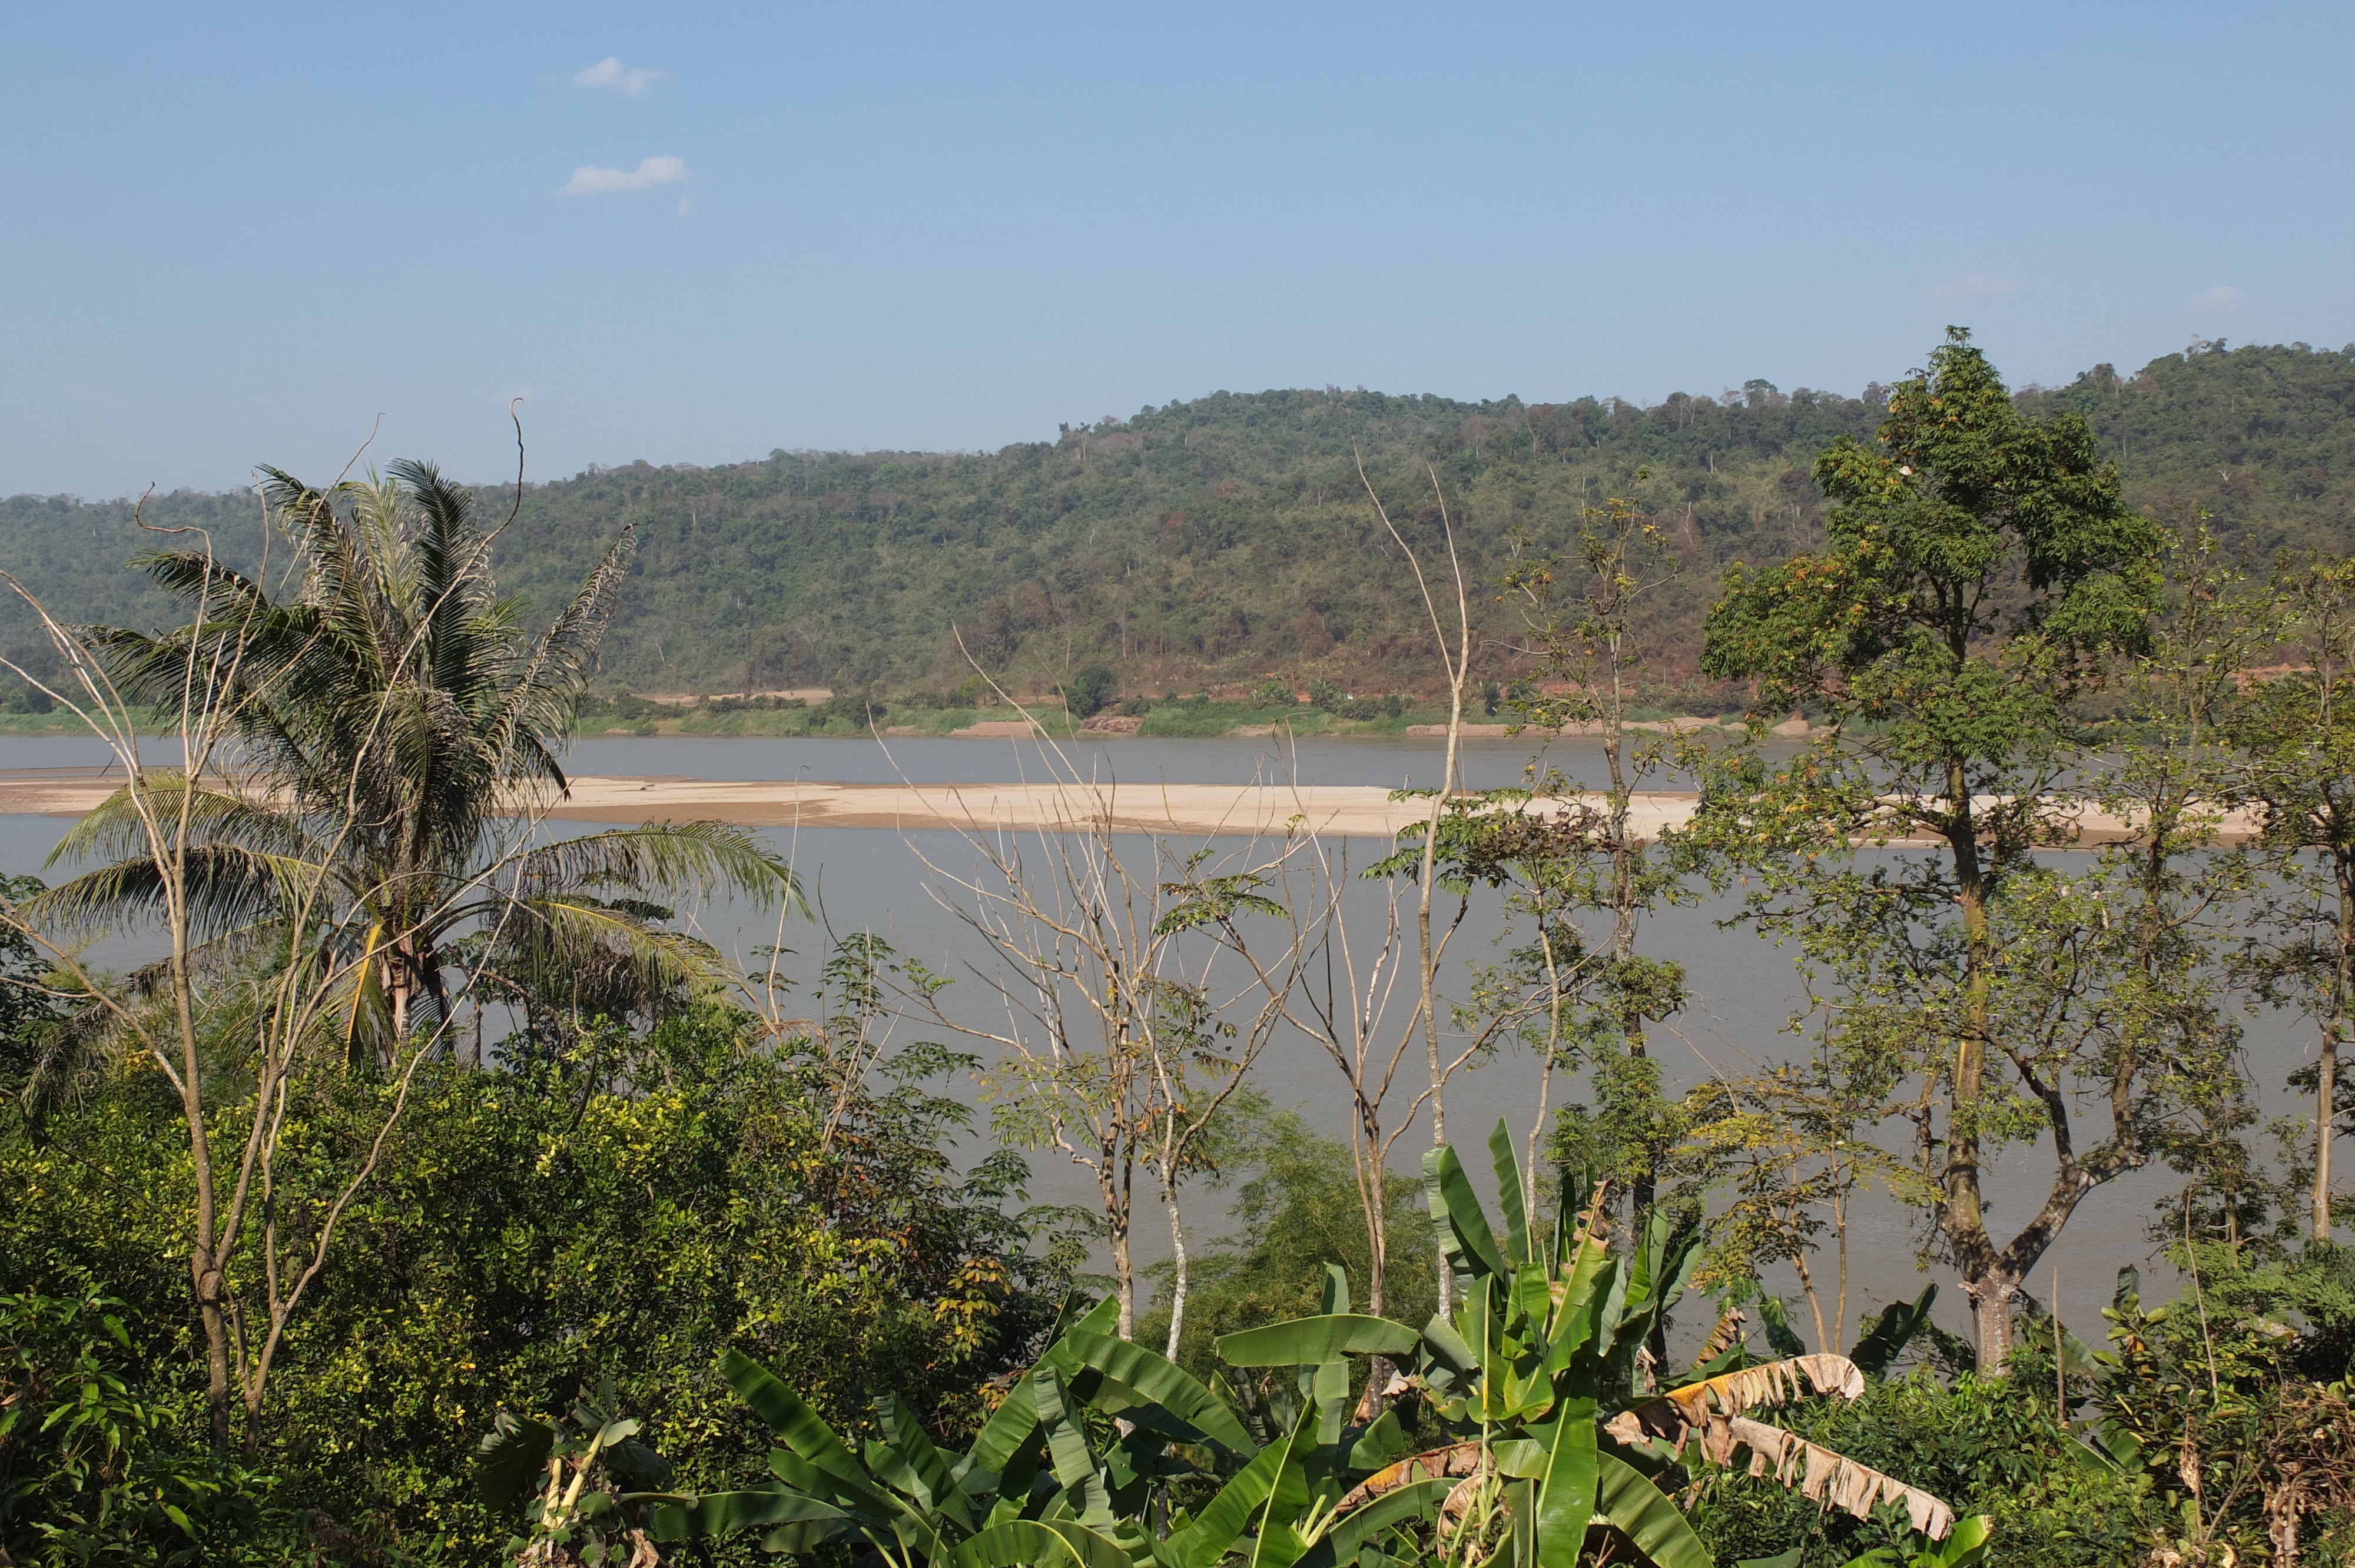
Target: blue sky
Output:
[(240, 234)]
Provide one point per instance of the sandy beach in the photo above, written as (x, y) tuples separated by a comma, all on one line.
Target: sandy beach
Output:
[(1357, 810)]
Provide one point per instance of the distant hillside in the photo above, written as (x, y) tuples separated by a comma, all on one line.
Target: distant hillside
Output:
[(1218, 541)]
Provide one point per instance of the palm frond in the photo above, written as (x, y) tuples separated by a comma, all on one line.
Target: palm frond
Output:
[(581, 952), (69, 1056), (228, 888), (309, 519), (450, 555), (74, 1052), (669, 858), (115, 830), (538, 709)]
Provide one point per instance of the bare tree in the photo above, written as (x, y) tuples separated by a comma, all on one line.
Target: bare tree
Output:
[(1457, 660), (1344, 994), (1119, 1037)]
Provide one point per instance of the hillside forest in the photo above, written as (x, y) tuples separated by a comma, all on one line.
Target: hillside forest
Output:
[(1220, 543)]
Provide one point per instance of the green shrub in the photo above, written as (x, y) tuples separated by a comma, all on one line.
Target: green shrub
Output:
[(90, 1469), (1087, 692)]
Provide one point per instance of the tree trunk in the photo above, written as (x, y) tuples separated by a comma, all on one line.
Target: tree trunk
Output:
[(1990, 1299), (1429, 963), (1125, 1279), (2325, 1113), (2335, 1030), (213, 1316), (1962, 1214), (1116, 1179), (206, 1269), (1375, 1192), (1178, 1274)]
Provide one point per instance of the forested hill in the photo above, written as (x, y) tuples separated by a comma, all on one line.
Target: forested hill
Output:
[(1222, 540)]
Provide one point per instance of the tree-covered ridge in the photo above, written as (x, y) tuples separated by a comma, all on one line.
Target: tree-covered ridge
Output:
[(1224, 539)]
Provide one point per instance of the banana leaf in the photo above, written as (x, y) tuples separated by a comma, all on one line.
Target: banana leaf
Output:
[(1350, 1536), (511, 1460), (1066, 1443), (1156, 1380), (1892, 1331), (1564, 1495), (724, 1513), (1015, 1420), (1277, 1542), (1311, 1341), (1223, 1519), (1645, 1515), (1510, 1196), (1456, 1209), (912, 1465), (1022, 1542), (792, 1420)]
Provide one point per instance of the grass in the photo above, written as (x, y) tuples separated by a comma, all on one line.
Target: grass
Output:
[(1184, 719)]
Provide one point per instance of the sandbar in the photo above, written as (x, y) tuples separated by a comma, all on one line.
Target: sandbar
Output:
[(1342, 809)]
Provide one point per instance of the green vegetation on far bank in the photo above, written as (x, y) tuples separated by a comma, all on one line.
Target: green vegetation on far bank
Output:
[(853, 718)]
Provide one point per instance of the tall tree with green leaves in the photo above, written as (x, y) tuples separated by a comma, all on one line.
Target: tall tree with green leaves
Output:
[(2297, 731), (2166, 777), (1980, 571), (1585, 619)]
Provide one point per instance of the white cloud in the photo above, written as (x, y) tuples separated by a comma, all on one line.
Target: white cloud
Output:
[(590, 180), (686, 206), (2222, 297), (1972, 286), (609, 72)]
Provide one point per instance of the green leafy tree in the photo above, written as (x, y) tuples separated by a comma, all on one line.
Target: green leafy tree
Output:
[(571, 1214), (1981, 569), (88, 1472), (2297, 731), (1586, 618), (1089, 691)]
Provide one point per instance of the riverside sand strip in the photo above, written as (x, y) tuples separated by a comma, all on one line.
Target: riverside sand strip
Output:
[(1349, 810)]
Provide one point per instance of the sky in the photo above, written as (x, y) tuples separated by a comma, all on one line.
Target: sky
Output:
[(233, 235)]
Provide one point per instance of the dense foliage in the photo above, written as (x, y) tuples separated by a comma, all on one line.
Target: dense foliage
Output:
[(614, 1211)]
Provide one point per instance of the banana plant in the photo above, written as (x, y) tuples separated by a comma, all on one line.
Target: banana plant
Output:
[(585, 1492), (1546, 1338), (1075, 1467), (1039, 1484), (1537, 1377), (1305, 1499)]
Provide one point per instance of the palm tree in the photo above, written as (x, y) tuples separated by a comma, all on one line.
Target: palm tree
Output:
[(396, 741)]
